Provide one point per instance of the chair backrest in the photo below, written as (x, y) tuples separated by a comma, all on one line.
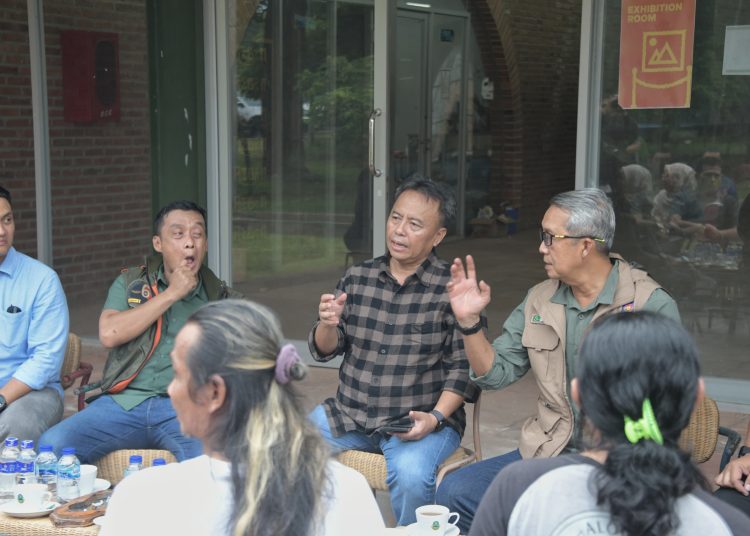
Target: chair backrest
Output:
[(702, 433), (112, 466), (71, 361)]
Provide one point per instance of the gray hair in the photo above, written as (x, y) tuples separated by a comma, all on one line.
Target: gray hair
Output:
[(590, 213), (438, 192)]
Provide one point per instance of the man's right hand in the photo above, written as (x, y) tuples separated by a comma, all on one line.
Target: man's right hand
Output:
[(182, 281), (330, 309), (735, 474), (468, 298)]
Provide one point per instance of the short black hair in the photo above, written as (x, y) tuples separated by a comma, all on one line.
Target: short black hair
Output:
[(185, 205), (5, 194), (431, 190), (709, 160)]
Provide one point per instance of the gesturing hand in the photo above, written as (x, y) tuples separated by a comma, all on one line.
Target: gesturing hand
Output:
[(182, 281), (468, 298), (330, 309)]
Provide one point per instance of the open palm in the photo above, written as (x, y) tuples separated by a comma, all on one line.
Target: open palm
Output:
[(468, 298)]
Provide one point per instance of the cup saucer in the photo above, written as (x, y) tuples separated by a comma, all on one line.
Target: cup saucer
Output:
[(452, 530), (18, 510)]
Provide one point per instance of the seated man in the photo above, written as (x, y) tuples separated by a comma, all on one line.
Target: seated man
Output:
[(33, 337), (544, 331), (145, 308), (403, 356)]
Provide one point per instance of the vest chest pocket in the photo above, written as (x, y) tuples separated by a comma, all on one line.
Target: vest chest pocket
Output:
[(540, 340)]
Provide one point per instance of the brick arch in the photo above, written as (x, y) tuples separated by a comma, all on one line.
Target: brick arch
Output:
[(531, 48)]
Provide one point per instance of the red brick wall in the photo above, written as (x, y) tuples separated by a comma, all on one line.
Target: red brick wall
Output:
[(533, 48), (16, 134), (100, 172)]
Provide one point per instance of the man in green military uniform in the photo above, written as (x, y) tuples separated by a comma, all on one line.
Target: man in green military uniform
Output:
[(145, 308), (544, 332)]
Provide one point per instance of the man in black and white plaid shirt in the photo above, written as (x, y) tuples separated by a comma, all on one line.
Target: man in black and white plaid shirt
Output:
[(404, 359)]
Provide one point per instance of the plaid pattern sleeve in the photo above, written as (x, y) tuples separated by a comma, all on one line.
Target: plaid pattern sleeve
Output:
[(401, 348)]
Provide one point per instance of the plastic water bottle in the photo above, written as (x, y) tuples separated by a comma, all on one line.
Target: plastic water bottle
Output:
[(25, 465), (135, 464), (8, 458), (158, 461), (68, 474), (46, 467)]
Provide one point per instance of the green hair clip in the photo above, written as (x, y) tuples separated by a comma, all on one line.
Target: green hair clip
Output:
[(644, 428)]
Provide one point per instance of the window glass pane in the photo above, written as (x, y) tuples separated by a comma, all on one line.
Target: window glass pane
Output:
[(678, 178), (304, 87)]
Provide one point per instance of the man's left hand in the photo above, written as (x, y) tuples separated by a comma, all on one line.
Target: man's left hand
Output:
[(424, 424)]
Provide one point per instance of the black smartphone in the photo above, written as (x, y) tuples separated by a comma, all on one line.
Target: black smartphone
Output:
[(397, 427)]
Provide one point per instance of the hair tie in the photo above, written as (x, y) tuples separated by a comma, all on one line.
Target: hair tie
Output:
[(288, 365), (644, 428)]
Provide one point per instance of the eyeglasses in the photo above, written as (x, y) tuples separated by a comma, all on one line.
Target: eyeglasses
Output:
[(546, 237)]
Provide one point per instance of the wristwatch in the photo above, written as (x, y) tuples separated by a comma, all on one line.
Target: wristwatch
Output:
[(744, 451), (440, 420), (3, 403), (476, 328)]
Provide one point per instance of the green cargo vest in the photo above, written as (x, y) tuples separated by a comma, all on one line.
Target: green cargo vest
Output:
[(125, 361)]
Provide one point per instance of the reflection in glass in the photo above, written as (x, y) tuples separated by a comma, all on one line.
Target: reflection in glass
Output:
[(679, 179), (303, 80)]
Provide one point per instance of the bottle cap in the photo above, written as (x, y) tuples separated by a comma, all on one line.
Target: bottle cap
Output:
[(68, 450), (45, 448), (136, 458), (11, 441), (27, 444), (158, 461)]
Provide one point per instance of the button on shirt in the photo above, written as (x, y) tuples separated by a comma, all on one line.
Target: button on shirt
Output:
[(401, 347), (33, 339), (156, 375)]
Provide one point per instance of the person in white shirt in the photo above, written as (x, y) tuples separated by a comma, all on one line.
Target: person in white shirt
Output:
[(265, 470)]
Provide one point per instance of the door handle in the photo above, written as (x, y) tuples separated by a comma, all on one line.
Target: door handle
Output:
[(371, 143)]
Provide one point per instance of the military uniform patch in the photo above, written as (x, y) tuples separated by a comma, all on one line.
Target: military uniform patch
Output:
[(536, 319), (138, 292), (627, 308)]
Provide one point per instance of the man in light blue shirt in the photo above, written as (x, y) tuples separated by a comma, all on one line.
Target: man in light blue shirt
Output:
[(33, 337)]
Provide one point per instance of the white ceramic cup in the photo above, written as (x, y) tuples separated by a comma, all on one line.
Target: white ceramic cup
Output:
[(88, 478), (435, 520), (31, 496)]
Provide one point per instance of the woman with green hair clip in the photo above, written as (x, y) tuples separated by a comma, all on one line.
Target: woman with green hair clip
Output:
[(637, 382)]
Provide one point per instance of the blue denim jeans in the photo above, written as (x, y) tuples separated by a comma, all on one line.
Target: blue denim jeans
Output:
[(104, 426), (411, 465), (462, 490)]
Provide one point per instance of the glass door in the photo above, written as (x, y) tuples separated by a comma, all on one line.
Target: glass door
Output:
[(429, 105), (301, 204)]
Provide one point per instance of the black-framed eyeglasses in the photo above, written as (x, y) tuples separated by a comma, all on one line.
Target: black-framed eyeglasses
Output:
[(547, 238)]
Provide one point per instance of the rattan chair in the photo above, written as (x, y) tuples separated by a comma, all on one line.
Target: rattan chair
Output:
[(372, 465), (73, 368), (702, 434), (112, 466)]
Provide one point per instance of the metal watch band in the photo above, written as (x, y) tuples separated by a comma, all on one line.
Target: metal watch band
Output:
[(476, 328)]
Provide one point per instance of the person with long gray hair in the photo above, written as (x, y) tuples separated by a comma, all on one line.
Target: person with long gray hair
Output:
[(265, 470), (585, 281)]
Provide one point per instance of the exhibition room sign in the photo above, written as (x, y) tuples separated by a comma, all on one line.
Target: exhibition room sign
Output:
[(656, 53)]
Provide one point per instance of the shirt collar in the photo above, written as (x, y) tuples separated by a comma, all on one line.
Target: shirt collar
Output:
[(424, 272), (564, 295), (10, 263)]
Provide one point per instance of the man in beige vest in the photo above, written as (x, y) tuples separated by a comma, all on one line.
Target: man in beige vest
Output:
[(543, 333)]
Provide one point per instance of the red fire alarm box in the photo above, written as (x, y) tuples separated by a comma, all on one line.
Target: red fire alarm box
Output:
[(91, 76)]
